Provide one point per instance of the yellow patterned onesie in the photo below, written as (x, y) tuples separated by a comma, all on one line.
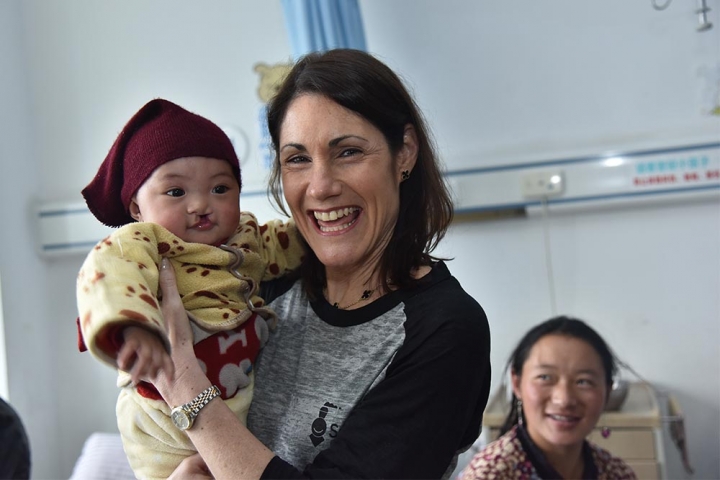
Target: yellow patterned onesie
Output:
[(118, 286)]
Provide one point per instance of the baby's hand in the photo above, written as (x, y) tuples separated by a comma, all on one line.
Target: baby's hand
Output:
[(143, 355)]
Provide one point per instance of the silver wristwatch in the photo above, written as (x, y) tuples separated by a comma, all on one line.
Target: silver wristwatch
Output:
[(184, 416)]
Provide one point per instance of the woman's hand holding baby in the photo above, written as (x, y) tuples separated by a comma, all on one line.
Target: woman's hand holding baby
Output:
[(143, 354), (181, 341)]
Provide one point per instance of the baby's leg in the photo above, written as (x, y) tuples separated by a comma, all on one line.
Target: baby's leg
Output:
[(153, 444)]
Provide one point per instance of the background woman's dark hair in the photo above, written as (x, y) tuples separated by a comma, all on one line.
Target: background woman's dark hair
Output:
[(361, 83), (561, 325)]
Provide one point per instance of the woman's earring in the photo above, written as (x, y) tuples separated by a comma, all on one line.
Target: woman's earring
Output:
[(519, 412), (605, 432), (405, 175)]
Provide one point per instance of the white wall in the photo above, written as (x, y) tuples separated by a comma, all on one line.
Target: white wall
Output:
[(646, 278), (504, 82), (499, 81), (29, 326)]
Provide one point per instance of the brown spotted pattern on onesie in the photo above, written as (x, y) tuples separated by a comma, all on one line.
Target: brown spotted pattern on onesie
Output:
[(118, 283)]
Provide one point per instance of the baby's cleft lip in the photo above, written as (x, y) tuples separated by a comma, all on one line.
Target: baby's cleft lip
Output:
[(203, 224)]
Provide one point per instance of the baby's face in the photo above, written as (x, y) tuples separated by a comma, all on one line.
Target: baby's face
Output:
[(196, 198)]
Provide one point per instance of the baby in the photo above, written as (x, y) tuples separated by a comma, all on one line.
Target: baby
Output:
[(172, 182)]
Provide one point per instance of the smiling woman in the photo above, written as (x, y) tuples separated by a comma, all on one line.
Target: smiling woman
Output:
[(342, 184), (390, 368), (562, 373)]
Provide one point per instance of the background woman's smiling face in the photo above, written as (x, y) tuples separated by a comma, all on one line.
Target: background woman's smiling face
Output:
[(340, 181), (563, 391)]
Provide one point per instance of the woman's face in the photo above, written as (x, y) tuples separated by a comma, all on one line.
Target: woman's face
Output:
[(341, 181), (563, 391)]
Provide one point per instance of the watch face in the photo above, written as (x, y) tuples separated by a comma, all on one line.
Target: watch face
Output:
[(180, 418)]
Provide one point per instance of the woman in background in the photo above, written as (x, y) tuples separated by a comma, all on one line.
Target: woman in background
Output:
[(562, 373), (379, 366)]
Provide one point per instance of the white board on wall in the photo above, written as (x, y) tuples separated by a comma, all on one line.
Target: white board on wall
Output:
[(69, 228), (665, 174), (627, 177)]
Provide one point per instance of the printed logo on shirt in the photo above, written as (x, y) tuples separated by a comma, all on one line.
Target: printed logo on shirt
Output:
[(320, 425)]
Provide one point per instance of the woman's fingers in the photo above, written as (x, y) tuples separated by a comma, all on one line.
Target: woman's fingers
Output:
[(176, 320), (168, 285)]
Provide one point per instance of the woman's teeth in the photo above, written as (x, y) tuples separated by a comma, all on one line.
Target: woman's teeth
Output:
[(334, 215), (336, 228), (562, 418)]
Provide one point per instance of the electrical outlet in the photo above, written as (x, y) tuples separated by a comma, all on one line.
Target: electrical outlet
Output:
[(543, 184)]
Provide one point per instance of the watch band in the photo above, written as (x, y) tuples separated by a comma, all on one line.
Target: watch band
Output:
[(184, 416), (197, 403)]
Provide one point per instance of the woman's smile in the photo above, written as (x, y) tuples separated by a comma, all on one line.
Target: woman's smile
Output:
[(564, 422), (337, 220)]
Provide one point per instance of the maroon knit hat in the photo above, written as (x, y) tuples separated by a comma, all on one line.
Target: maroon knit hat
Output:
[(158, 133)]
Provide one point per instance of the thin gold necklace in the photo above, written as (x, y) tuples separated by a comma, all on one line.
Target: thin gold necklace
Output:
[(365, 296)]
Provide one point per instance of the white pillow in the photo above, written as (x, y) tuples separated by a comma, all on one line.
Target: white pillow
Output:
[(102, 458)]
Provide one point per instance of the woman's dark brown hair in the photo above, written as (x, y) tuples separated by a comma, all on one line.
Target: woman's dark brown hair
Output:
[(359, 82)]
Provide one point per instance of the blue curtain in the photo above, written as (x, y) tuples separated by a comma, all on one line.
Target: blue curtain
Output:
[(319, 25)]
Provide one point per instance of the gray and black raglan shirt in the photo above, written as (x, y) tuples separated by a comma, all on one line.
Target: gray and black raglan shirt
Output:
[(391, 390)]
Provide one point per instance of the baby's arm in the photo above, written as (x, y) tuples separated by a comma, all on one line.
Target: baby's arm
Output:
[(280, 245), (116, 289), (143, 354)]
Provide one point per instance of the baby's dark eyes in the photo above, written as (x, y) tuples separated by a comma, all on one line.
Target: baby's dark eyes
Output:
[(175, 192), (221, 189)]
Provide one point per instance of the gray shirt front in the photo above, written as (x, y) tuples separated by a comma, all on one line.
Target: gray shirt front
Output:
[(391, 390)]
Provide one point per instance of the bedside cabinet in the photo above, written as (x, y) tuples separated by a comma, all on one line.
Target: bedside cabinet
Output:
[(636, 434)]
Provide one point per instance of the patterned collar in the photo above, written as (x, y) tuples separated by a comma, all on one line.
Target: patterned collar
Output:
[(542, 466)]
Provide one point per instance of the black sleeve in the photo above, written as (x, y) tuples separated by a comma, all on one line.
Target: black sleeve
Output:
[(14, 445), (271, 289), (427, 408)]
